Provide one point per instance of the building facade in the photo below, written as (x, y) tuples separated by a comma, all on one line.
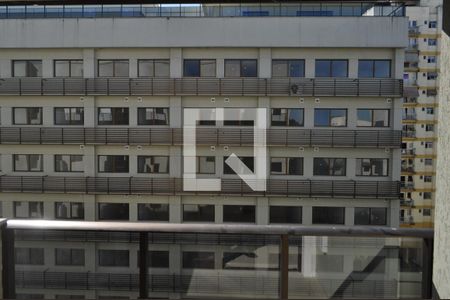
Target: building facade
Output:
[(91, 129), (420, 108)]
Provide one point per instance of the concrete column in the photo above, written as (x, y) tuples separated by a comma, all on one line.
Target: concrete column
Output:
[(48, 163), (307, 214), (264, 102), (49, 210), (351, 167), (6, 115), (395, 163), (89, 63), (90, 208), (309, 116), (47, 68), (220, 68), (218, 213), (398, 65), (176, 112), (47, 116), (133, 208), (175, 264), (7, 163), (90, 111), (175, 209), (265, 63), (262, 211), (175, 162), (308, 165), (310, 68), (5, 68), (353, 68), (132, 111), (133, 67), (90, 160), (349, 216), (176, 62), (393, 214)]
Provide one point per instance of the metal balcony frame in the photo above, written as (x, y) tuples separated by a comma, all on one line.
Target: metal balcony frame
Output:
[(324, 87), (283, 231), (286, 137)]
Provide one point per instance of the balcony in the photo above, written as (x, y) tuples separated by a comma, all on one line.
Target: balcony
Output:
[(174, 186), (408, 169), (407, 185), (409, 134), (409, 117), (326, 87), (388, 270), (204, 136), (413, 31)]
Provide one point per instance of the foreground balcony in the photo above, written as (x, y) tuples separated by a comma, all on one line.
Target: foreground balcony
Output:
[(174, 186), (325, 87), (204, 136), (388, 270)]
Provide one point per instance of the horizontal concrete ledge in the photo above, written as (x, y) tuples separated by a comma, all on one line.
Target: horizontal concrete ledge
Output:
[(345, 32)]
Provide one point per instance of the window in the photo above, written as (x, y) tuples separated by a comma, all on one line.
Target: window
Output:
[(428, 145), (153, 116), (432, 42), (324, 117), (198, 213), (426, 212), (286, 166), (329, 166), (27, 68), (373, 118), (113, 211), (370, 216), (153, 68), (374, 68), (247, 160), (29, 256), (292, 117), (113, 68), (429, 127), (153, 164), (69, 163), (428, 162), (427, 179), (288, 68), (431, 59), (432, 76), (113, 258), (239, 260), (331, 68), (198, 260), (28, 162), (156, 259), (112, 116), (329, 263), (328, 215), (69, 210), (206, 165), (199, 68), (427, 195), (68, 68), (285, 214), (27, 115), (431, 92), (372, 167), (26, 210), (113, 164), (239, 213), (69, 116), (69, 257), (241, 68), (153, 212), (432, 24)]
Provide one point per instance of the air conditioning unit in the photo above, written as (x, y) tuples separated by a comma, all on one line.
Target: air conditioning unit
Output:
[(294, 89)]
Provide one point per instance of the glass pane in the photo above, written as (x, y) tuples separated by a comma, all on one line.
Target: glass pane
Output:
[(77, 163), (113, 211), (339, 68), (153, 212), (239, 213), (382, 69), (277, 166), (249, 68), (323, 68), (279, 68), (162, 68), (321, 166), (198, 260), (364, 117), (362, 216), (105, 68), (21, 209), (381, 118), (62, 257), (328, 215), (297, 68), (35, 162), (76, 68), (321, 117), (365, 69), (206, 165), (121, 68), (295, 166), (153, 164), (62, 163), (20, 116), (378, 216), (295, 117), (232, 68), (338, 117), (192, 68), (285, 214), (62, 210), (62, 68), (19, 68), (279, 116), (198, 213), (208, 68), (145, 68)]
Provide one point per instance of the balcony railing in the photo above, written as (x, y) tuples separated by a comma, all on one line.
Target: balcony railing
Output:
[(204, 136), (174, 186), (380, 245), (202, 87)]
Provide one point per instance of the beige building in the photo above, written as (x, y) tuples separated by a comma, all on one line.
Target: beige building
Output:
[(420, 110)]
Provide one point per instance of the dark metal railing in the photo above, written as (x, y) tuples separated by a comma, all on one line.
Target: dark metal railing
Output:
[(281, 283), (204, 136), (174, 186), (345, 87)]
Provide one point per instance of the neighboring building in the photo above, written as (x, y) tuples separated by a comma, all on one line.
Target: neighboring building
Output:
[(91, 117), (441, 267), (420, 110)]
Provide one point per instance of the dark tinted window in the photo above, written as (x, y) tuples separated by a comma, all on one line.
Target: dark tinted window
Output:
[(153, 212), (328, 117), (69, 115), (113, 68), (27, 115), (29, 256), (113, 258), (198, 213), (113, 116), (27, 68), (198, 260), (329, 166), (288, 68), (153, 116), (331, 68), (328, 215), (69, 210), (241, 68), (374, 69), (285, 214), (68, 68), (239, 213), (247, 160), (113, 164), (113, 211), (293, 117), (69, 257), (370, 216)]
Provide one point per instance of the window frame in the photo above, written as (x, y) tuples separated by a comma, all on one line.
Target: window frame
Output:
[(199, 220), (153, 61), (329, 164), (28, 117), (114, 163), (199, 61), (38, 203), (71, 121), (71, 207), (71, 256), (99, 208), (114, 116), (115, 259), (287, 119), (373, 61), (152, 122), (114, 62), (370, 221), (28, 163), (141, 158), (71, 156), (27, 67), (288, 208), (372, 110), (70, 61), (360, 173), (329, 208), (241, 60), (330, 117), (233, 214), (164, 216), (288, 62), (331, 68), (199, 165), (287, 165)]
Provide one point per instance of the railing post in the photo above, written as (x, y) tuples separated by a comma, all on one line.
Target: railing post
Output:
[(143, 270), (284, 267), (8, 263), (427, 269)]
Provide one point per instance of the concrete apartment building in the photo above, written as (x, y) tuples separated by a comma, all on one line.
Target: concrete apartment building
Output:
[(91, 129), (420, 110)]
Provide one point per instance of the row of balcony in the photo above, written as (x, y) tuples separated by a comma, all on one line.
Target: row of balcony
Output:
[(202, 86), (204, 136), (174, 186)]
